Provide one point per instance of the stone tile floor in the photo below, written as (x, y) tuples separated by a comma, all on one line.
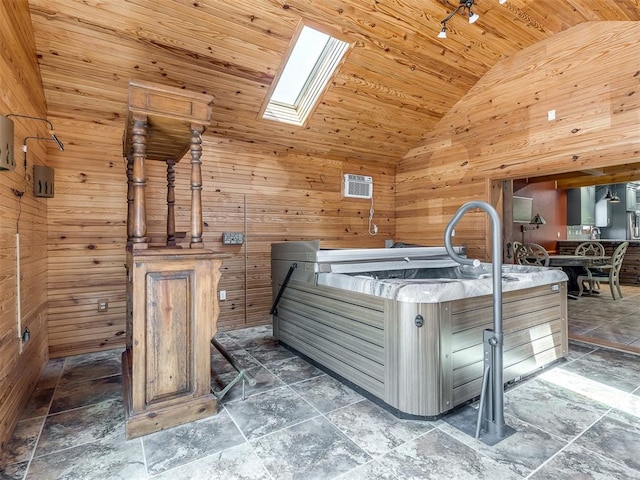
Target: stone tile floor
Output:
[(577, 420), (600, 320)]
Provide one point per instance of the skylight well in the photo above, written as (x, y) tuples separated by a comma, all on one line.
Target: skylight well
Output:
[(306, 74)]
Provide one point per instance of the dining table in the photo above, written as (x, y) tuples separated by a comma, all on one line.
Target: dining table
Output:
[(575, 265)]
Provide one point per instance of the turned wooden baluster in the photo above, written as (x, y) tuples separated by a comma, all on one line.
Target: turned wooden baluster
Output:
[(139, 182), (129, 199), (171, 201), (196, 187)]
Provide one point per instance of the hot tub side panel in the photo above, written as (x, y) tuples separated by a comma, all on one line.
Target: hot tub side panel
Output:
[(418, 359), (535, 335), (339, 329)]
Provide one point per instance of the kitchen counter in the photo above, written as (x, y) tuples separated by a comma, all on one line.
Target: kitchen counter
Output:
[(630, 271)]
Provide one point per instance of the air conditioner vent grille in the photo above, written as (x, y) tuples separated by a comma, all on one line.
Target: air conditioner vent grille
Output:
[(358, 186)]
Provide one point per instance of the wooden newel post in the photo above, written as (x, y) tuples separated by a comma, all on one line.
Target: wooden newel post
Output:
[(171, 202), (196, 187), (139, 181), (129, 199)]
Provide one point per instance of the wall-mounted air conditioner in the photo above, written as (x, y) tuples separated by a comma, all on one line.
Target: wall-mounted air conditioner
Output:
[(358, 186)]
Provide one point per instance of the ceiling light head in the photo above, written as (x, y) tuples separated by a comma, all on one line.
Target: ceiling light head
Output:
[(466, 5)]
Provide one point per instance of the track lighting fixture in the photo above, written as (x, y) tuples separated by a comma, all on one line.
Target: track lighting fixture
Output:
[(466, 5)]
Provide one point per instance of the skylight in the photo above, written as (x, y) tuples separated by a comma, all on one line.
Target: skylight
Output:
[(311, 64)]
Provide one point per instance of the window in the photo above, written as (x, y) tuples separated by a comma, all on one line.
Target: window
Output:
[(307, 72)]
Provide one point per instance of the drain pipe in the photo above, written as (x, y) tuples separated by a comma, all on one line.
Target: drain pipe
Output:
[(492, 408)]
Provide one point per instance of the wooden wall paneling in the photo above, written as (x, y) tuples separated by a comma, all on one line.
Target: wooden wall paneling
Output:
[(86, 235), (500, 129), (283, 197), (20, 368)]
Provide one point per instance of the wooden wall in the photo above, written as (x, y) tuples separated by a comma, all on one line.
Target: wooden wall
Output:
[(499, 130), (21, 92), (269, 195)]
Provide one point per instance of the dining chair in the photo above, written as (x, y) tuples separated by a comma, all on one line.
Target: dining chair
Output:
[(532, 254), (591, 249), (518, 252), (609, 273)]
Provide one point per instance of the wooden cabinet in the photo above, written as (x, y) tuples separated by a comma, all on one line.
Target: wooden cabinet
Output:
[(172, 307), (173, 313)]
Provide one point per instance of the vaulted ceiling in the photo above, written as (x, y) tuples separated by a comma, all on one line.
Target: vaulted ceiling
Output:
[(397, 82)]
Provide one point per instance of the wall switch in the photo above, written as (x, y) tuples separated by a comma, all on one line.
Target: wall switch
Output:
[(103, 305), (222, 294), (453, 232), (551, 115)]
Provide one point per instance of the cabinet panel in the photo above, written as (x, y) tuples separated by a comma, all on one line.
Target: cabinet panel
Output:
[(581, 206), (630, 198), (169, 335)]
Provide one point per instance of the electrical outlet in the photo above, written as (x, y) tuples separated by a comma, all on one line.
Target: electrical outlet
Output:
[(222, 294), (232, 238), (103, 305)]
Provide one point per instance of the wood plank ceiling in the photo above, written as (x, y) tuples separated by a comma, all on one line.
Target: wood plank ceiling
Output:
[(397, 82)]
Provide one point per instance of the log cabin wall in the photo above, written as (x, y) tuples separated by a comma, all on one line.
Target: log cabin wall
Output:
[(269, 195), (22, 92), (499, 130)]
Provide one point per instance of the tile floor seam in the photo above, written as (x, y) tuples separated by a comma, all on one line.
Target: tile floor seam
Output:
[(480, 452), (196, 460), (144, 456), (247, 441), (284, 428), (235, 423), (35, 445), (90, 379), (573, 441), (536, 427), (237, 400), (373, 456)]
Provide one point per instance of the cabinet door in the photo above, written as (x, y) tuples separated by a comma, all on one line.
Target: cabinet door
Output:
[(581, 206), (630, 198), (588, 213)]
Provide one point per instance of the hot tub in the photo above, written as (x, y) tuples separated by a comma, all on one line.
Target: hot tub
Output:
[(406, 325)]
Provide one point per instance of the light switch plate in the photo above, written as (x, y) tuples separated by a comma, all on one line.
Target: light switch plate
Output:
[(232, 238)]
